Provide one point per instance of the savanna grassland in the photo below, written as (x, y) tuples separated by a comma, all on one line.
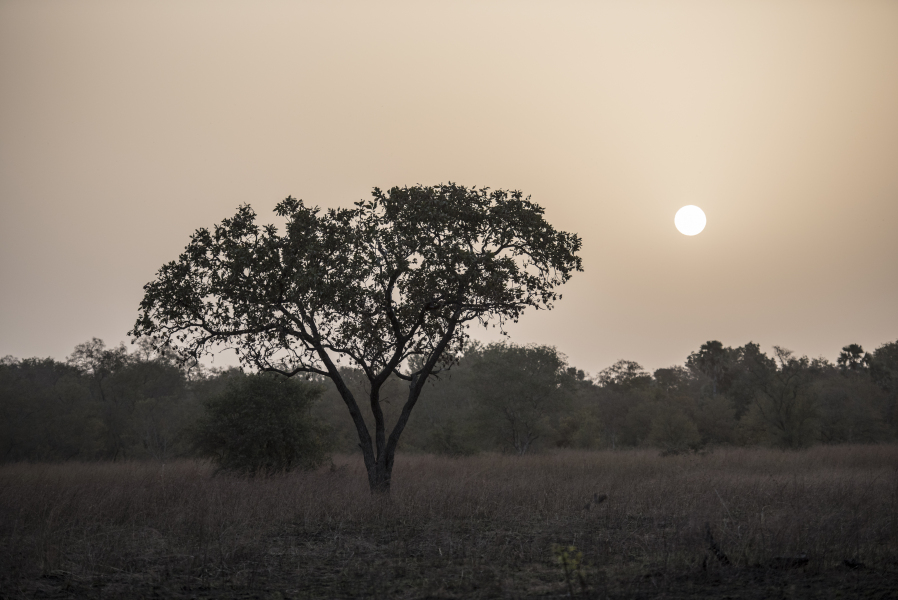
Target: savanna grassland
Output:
[(736, 523)]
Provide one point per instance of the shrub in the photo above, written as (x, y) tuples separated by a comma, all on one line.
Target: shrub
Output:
[(260, 424), (673, 431)]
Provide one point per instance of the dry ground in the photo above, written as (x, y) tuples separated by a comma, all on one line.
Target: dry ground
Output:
[(480, 527)]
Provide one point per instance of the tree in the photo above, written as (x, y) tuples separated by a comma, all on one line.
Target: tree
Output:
[(673, 381), (712, 415), (101, 365), (142, 398), (260, 424), (519, 390), (750, 371), (46, 412), (852, 409), (715, 362), (399, 276), (624, 375), (784, 407), (445, 419), (884, 372), (884, 367), (853, 359)]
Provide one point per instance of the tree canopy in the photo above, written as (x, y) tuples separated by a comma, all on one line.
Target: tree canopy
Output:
[(393, 282)]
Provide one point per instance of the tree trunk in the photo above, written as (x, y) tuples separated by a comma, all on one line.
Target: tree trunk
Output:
[(379, 476), (380, 466)]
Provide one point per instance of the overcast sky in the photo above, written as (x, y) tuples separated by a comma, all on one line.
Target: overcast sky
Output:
[(124, 126)]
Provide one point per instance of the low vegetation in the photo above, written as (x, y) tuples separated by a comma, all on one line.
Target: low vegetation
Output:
[(737, 522), (259, 425)]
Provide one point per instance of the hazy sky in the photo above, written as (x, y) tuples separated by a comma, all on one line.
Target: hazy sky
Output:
[(124, 126)]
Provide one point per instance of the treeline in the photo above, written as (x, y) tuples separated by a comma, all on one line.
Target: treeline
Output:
[(101, 404), (503, 397), (107, 403)]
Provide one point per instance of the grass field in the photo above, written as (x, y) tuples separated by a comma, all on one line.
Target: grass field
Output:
[(816, 523)]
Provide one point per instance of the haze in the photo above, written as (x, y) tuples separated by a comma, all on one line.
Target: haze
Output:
[(126, 126)]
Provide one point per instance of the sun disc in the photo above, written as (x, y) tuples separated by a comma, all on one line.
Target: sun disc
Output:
[(690, 220)]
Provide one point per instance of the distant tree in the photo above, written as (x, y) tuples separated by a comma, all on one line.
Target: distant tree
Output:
[(617, 403), (853, 359), (164, 405), (624, 375), (712, 416), (260, 425), (520, 392), (445, 419), (101, 365), (603, 412), (576, 374), (884, 366), (851, 409), (102, 403), (884, 373), (142, 398), (746, 378), (636, 425), (674, 381), (784, 408), (715, 362), (46, 412), (399, 276), (715, 418)]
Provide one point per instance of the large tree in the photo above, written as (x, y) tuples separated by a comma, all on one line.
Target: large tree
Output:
[(393, 282)]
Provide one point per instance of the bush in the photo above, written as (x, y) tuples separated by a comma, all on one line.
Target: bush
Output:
[(260, 424), (673, 431)]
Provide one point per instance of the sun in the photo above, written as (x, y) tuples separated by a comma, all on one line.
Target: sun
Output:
[(690, 220)]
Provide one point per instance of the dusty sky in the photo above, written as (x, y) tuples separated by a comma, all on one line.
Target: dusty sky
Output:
[(124, 126)]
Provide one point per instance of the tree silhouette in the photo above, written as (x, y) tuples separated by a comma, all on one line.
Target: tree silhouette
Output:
[(398, 277), (715, 362), (853, 359)]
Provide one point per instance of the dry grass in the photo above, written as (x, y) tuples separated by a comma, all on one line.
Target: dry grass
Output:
[(471, 527)]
